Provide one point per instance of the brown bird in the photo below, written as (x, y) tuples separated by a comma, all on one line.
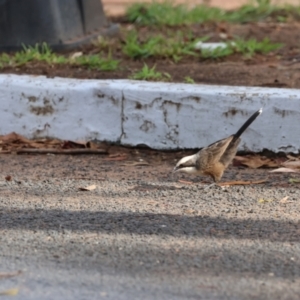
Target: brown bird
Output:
[(215, 158)]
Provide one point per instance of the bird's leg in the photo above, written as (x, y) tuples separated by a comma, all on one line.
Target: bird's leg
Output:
[(209, 186), (173, 175)]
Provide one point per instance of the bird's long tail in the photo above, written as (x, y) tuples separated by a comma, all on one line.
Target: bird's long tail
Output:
[(246, 124)]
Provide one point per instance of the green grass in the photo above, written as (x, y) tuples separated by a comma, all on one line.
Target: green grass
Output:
[(247, 48), (43, 53), (175, 45), (38, 52), (250, 47), (168, 44), (150, 74), (136, 49), (97, 62), (166, 13), (182, 45), (5, 60), (258, 10), (218, 52), (169, 14), (188, 79)]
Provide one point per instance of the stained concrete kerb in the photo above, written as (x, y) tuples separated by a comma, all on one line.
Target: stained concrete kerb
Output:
[(159, 115)]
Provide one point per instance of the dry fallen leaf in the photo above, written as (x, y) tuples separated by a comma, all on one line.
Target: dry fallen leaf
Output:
[(8, 178), (13, 137), (284, 200), (14, 142), (242, 182), (88, 188), (294, 180), (49, 151), (190, 211), (177, 186), (92, 145), (9, 275), (74, 55), (72, 144), (10, 292), (261, 200), (292, 164), (283, 170), (256, 161), (290, 157)]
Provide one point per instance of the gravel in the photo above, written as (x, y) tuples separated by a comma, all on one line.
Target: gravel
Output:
[(146, 236)]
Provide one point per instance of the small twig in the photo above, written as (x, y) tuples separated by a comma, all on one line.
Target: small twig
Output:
[(135, 164), (185, 182), (5, 152), (61, 151), (83, 178), (9, 275), (242, 182)]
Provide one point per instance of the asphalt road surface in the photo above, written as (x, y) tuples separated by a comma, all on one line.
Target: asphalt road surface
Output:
[(141, 234)]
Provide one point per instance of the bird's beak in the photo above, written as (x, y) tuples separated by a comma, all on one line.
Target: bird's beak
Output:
[(174, 170)]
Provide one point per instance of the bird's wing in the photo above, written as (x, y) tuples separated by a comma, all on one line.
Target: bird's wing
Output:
[(230, 152), (211, 154)]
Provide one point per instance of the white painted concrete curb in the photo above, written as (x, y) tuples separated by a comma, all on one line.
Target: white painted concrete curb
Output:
[(160, 115)]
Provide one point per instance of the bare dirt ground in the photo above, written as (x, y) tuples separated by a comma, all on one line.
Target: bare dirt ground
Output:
[(118, 7), (276, 69), (141, 234)]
